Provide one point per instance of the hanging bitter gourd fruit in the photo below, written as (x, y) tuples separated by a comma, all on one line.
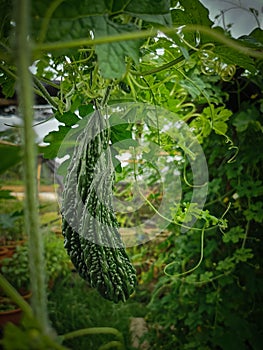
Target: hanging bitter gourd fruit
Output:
[(89, 224)]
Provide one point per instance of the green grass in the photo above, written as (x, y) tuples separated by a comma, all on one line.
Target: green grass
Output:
[(73, 305)]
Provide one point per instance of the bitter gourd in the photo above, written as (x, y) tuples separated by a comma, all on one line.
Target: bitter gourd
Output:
[(89, 224)]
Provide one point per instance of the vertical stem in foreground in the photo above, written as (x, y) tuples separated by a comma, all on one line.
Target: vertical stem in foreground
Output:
[(36, 251)]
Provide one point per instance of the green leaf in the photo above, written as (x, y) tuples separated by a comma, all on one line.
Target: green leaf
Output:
[(153, 11), (111, 57), (54, 138), (75, 20), (219, 116), (7, 84), (68, 118), (226, 265), (70, 21), (234, 235), (245, 118), (250, 188), (243, 254), (120, 132), (195, 87), (255, 212), (127, 143), (115, 161), (85, 110), (194, 13), (254, 39), (258, 35), (231, 56), (219, 120)]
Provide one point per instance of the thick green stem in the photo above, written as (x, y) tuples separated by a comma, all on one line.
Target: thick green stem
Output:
[(36, 254), (214, 34)]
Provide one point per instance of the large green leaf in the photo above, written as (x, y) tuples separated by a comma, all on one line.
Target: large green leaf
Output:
[(68, 118), (71, 20), (111, 57), (154, 11), (85, 19), (194, 13), (248, 117), (74, 19), (231, 56), (254, 39)]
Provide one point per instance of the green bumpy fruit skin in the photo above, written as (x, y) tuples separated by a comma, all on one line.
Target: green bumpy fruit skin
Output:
[(89, 225)]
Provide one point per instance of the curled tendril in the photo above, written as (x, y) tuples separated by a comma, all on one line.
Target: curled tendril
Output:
[(181, 95), (227, 72), (211, 63), (192, 269), (232, 147), (222, 226)]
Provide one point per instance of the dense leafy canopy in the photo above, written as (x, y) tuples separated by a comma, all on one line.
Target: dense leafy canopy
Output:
[(151, 53)]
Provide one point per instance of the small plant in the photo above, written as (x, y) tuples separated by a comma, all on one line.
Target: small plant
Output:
[(58, 263), (16, 269), (11, 227)]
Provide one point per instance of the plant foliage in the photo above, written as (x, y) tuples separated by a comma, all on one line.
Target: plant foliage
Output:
[(206, 281)]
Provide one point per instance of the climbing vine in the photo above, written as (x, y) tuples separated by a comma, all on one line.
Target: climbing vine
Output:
[(168, 56)]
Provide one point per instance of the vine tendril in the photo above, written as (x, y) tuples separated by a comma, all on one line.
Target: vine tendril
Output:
[(193, 268)]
